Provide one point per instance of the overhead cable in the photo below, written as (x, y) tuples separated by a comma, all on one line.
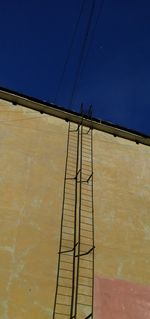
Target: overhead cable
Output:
[(69, 51), (93, 32), (82, 52)]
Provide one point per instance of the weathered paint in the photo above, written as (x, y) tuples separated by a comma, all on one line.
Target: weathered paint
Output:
[(32, 162), (117, 299), (122, 207)]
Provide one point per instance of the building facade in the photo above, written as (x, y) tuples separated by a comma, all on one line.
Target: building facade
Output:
[(33, 152)]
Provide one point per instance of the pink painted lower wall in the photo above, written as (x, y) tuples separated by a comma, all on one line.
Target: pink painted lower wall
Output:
[(118, 299)]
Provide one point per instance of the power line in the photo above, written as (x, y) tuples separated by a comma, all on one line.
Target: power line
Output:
[(69, 51), (82, 52), (94, 29)]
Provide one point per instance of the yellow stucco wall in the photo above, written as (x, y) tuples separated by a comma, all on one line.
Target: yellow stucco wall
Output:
[(32, 162), (122, 208)]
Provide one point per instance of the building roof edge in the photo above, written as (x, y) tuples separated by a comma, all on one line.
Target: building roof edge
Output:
[(68, 115)]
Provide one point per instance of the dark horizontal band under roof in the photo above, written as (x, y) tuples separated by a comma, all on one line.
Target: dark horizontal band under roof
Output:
[(68, 115)]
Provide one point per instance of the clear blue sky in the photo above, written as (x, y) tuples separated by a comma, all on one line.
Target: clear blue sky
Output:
[(35, 36)]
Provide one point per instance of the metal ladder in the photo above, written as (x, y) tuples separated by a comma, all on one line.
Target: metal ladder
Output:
[(75, 275)]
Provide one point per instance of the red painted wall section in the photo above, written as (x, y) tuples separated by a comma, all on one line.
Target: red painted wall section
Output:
[(118, 299)]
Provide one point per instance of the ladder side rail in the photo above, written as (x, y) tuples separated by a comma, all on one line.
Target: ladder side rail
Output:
[(87, 180), (66, 251), (89, 251), (75, 228), (60, 242), (92, 222), (79, 223)]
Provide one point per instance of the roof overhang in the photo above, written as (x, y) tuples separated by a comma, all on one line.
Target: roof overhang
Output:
[(67, 115)]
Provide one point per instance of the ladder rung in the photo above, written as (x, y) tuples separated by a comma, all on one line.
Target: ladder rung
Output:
[(86, 138), (64, 286), (69, 198), (68, 227), (86, 223), (83, 151), (86, 170), (85, 244), (84, 210), (85, 268), (86, 156), (84, 304), (86, 144), (62, 304), (84, 285), (90, 201), (69, 215), (68, 233), (86, 260), (66, 269), (85, 277), (71, 164), (82, 294), (87, 190), (66, 246), (74, 131), (87, 165), (69, 256), (66, 262), (84, 205), (68, 183), (68, 205), (86, 237), (86, 133), (72, 151), (89, 231), (71, 156), (64, 295), (69, 191), (72, 148), (88, 195), (69, 201), (67, 220), (68, 210), (71, 168), (67, 239), (73, 140), (60, 313), (84, 216), (65, 277)]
